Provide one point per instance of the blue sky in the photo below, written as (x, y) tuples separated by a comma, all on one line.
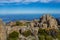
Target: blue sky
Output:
[(29, 6)]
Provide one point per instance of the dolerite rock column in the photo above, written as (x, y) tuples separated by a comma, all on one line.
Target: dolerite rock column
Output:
[(47, 21)]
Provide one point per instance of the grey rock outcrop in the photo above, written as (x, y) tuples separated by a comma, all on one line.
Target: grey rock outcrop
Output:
[(48, 21), (2, 31), (45, 22)]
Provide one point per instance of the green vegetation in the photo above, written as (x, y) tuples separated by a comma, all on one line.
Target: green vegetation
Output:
[(41, 37), (48, 37), (19, 23), (13, 36), (26, 33), (58, 35), (27, 23), (33, 39), (42, 32)]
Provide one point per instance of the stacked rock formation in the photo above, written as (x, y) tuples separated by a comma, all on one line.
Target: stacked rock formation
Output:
[(47, 21)]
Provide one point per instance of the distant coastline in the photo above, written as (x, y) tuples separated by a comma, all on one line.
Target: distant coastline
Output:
[(16, 17)]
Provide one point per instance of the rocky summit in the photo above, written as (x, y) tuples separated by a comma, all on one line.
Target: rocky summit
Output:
[(29, 30), (47, 21)]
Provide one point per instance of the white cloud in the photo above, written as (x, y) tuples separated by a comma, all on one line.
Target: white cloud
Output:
[(57, 0), (45, 1), (28, 1)]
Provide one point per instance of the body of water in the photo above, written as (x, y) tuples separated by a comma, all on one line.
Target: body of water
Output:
[(15, 17)]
